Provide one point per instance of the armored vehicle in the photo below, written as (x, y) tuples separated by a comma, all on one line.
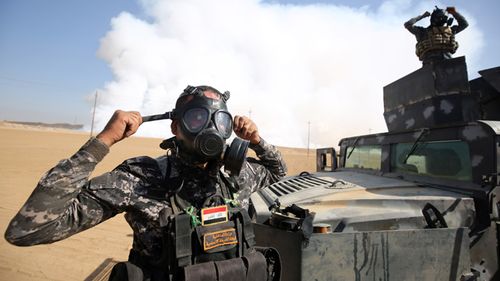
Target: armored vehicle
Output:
[(419, 202)]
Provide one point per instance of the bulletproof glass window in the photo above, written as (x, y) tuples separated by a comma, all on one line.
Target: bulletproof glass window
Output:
[(442, 159), (363, 157)]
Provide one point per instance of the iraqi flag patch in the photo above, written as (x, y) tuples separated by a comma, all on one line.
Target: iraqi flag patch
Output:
[(213, 215)]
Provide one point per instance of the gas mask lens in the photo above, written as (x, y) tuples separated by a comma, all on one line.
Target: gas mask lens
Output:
[(224, 123), (197, 119)]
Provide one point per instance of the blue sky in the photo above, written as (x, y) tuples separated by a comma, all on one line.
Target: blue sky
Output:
[(48, 62), (49, 65)]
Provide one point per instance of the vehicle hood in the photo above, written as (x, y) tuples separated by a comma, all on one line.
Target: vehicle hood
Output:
[(352, 201)]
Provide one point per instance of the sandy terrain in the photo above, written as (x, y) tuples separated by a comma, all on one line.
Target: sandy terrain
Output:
[(26, 154)]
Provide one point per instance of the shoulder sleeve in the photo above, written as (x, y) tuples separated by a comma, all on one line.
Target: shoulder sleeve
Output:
[(66, 201), (119, 188), (270, 158), (462, 23), (258, 173), (411, 27)]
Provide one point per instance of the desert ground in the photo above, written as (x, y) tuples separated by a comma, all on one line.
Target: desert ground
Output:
[(26, 153)]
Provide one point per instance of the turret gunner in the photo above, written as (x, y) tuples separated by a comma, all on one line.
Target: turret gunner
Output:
[(437, 41)]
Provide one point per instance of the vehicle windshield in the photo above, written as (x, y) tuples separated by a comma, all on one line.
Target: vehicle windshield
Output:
[(443, 159), (364, 157)]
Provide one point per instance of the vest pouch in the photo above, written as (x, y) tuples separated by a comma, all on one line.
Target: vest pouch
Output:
[(252, 267), (438, 39), (256, 264), (126, 271), (231, 270), (201, 271), (273, 261)]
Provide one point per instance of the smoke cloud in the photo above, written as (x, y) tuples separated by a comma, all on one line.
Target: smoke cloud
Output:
[(298, 70)]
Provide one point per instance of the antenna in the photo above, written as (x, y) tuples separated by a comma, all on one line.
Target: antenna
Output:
[(93, 115), (308, 136)]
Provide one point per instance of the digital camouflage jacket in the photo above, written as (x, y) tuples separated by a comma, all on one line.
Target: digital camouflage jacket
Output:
[(66, 201)]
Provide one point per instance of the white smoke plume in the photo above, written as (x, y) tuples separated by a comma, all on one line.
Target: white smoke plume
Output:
[(285, 65)]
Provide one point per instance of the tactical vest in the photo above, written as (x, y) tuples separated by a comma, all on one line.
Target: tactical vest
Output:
[(214, 243), (438, 39)]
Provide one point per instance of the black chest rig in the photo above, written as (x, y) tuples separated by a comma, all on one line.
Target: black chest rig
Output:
[(217, 246), (212, 240)]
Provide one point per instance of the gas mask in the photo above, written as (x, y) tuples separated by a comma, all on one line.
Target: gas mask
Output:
[(205, 125), (439, 18)]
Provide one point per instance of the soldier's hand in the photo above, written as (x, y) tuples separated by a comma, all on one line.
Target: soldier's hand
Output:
[(426, 14), (246, 129), (122, 124), (451, 10)]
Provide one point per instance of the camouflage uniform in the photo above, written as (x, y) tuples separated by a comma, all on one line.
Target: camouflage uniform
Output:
[(436, 43), (66, 202)]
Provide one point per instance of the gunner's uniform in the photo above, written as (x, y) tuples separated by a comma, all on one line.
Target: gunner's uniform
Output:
[(435, 43)]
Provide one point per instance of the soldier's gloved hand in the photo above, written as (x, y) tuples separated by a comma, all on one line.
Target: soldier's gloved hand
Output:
[(122, 124), (246, 129), (451, 10), (426, 14)]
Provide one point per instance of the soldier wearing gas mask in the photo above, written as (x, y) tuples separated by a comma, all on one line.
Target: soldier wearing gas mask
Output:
[(188, 209), (437, 41)]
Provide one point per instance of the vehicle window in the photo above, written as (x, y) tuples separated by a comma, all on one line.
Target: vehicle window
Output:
[(364, 157), (443, 159)]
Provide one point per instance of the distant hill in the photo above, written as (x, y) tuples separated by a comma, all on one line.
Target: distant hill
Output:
[(65, 126)]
